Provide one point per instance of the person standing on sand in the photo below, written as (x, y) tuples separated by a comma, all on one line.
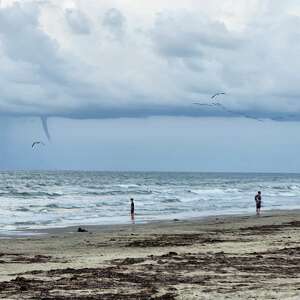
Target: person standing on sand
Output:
[(132, 209), (258, 202)]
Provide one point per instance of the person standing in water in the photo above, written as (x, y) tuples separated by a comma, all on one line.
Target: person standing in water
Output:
[(258, 202), (132, 209)]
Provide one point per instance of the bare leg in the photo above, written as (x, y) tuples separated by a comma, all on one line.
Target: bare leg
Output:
[(132, 218), (257, 211)]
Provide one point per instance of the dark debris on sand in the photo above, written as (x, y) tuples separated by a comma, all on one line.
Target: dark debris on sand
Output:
[(19, 258), (166, 240), (157, 277), (269, 229), (143, 278)]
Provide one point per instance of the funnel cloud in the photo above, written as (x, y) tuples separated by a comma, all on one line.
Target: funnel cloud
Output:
[(45, 128)]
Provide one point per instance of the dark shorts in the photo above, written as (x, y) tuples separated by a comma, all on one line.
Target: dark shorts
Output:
[(258, 205)]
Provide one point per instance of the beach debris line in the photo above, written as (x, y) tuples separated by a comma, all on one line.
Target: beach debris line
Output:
[(21, 258), (172, 273), (152, 274)]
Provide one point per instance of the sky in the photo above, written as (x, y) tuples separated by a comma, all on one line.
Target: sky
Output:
[(116, 81)]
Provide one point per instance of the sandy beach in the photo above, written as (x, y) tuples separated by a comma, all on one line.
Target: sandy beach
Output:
[(224, 257)]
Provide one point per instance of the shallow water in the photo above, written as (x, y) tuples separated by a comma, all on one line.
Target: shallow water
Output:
[(31, 200)]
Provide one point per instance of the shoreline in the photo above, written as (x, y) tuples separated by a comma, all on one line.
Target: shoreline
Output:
[(44, 232)]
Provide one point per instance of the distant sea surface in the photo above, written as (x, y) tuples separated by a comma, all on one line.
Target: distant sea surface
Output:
[(34, 200)]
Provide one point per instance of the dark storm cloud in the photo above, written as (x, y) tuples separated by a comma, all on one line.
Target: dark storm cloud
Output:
[(160, 68)]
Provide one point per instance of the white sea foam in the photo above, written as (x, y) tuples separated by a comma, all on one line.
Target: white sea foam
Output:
[(31, 200)]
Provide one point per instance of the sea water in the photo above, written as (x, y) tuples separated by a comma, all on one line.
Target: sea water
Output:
[(35, 200)]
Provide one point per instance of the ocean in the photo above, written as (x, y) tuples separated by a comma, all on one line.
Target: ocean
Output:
[(39, 200)]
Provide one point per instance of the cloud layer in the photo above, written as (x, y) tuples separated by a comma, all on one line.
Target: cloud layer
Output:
[(92, 59)]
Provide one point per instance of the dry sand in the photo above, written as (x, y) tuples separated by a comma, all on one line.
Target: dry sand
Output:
[(233, 257)]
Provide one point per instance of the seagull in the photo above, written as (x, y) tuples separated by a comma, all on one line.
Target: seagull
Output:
[(217, 94), (37, 143)]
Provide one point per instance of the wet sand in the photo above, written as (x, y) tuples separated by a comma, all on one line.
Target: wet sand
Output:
[(227, 257)]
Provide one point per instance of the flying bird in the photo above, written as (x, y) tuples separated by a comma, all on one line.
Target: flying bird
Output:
[(217, 94), (37, 143)]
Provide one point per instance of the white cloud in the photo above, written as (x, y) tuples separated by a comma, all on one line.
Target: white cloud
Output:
[(86, 59), (77, 21), (114, 21)]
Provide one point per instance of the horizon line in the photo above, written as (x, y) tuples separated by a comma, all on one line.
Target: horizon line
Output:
[(149, 171)]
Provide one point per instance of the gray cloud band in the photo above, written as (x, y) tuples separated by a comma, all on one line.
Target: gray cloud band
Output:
[(111, 67)]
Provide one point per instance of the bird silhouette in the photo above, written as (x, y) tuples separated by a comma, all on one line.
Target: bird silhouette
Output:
[(217, 94), (37, 143)]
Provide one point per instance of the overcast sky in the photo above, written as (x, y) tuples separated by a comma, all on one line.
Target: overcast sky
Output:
[(117, 79)]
